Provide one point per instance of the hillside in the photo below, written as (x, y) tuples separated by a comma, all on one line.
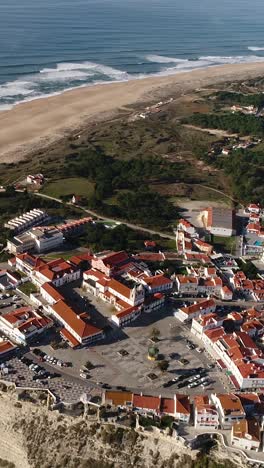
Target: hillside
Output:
[(32, 436)]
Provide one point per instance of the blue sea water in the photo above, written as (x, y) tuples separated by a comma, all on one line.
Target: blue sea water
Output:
[(48, 46)]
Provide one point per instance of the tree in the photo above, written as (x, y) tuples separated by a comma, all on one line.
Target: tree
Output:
[(89, 365), (155, 333), (163, 365)]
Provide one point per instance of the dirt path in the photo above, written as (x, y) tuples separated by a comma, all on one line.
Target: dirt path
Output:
[(136, 227), (212, 131)]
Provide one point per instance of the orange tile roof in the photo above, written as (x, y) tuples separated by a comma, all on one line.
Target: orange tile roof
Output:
[(52, 291), (215, 333), (230, 403), (146, 402), (81, 328), (157, 280), (119, 398), (6, 346), (119, 288), (201, 305), (247, 427), (183, 404), (127, 312), (69, 337), (167, 405)]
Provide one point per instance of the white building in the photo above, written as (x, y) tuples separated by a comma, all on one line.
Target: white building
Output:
[(246, 435), (26, 221), (229, 407), (205, 413), (36, 240), (219, 221)]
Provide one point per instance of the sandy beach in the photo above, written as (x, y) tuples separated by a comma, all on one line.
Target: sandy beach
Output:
[(35, 124)]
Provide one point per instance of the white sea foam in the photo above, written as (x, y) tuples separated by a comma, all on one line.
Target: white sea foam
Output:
[(256, 49), (89, 68), (182, 65), (66, 75), (58, 75), (163, 59), (16, 88)]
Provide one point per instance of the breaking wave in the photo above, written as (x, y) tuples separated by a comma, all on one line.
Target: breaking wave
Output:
[(69, 75), (54, 80), (256, 49)]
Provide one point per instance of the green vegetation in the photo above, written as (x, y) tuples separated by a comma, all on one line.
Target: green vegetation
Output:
[(98, 237), (155, 333), (224, 244), (28, 288), (6, 464), (232, 98), (163, 365), (126, 180), (14, 203), (248, 268), (246, 169), (233, 123), (67, 187)]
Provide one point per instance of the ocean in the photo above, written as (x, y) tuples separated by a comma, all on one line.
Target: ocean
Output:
[(47, 47)]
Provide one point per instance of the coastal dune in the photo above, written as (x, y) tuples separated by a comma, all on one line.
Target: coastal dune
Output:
[(33, 125)]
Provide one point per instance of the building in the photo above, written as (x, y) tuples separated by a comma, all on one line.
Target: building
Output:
[(147, 405), (36, 179), (58, 272), (24, 324), (126, 316), (26, 263), (154, 302), (118, 399), (109, 262), (202, 307), (254, 208), (182, 408), (157, 283), (203, 246), (226, 294), (246, 435), (26, 221), (186, 226), (205, 322), (50, 293), (219, 221), (6, 347), (36, 240), (229, 407), (77, 331), (205, 413), (187, 284)]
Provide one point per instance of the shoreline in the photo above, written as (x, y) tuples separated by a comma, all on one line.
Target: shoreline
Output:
[(34, 125)]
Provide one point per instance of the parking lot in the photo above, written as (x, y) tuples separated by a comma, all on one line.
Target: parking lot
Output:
[(122, 359), (64, 387)]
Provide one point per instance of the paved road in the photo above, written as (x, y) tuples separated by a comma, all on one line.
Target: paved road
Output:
[(237, 303), (111, 220)]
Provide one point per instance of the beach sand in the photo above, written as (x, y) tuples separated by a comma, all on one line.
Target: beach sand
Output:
[(33, 125)]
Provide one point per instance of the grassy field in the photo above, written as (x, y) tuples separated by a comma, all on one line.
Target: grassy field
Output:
[(28, 288), (224, 244), (73, 185)]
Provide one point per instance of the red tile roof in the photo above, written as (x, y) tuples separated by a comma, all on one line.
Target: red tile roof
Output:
[(6, 346), (52, 291), (183, 404), (69, 337), (81, 328), (167, 405), (157, 280), (146, 402)]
